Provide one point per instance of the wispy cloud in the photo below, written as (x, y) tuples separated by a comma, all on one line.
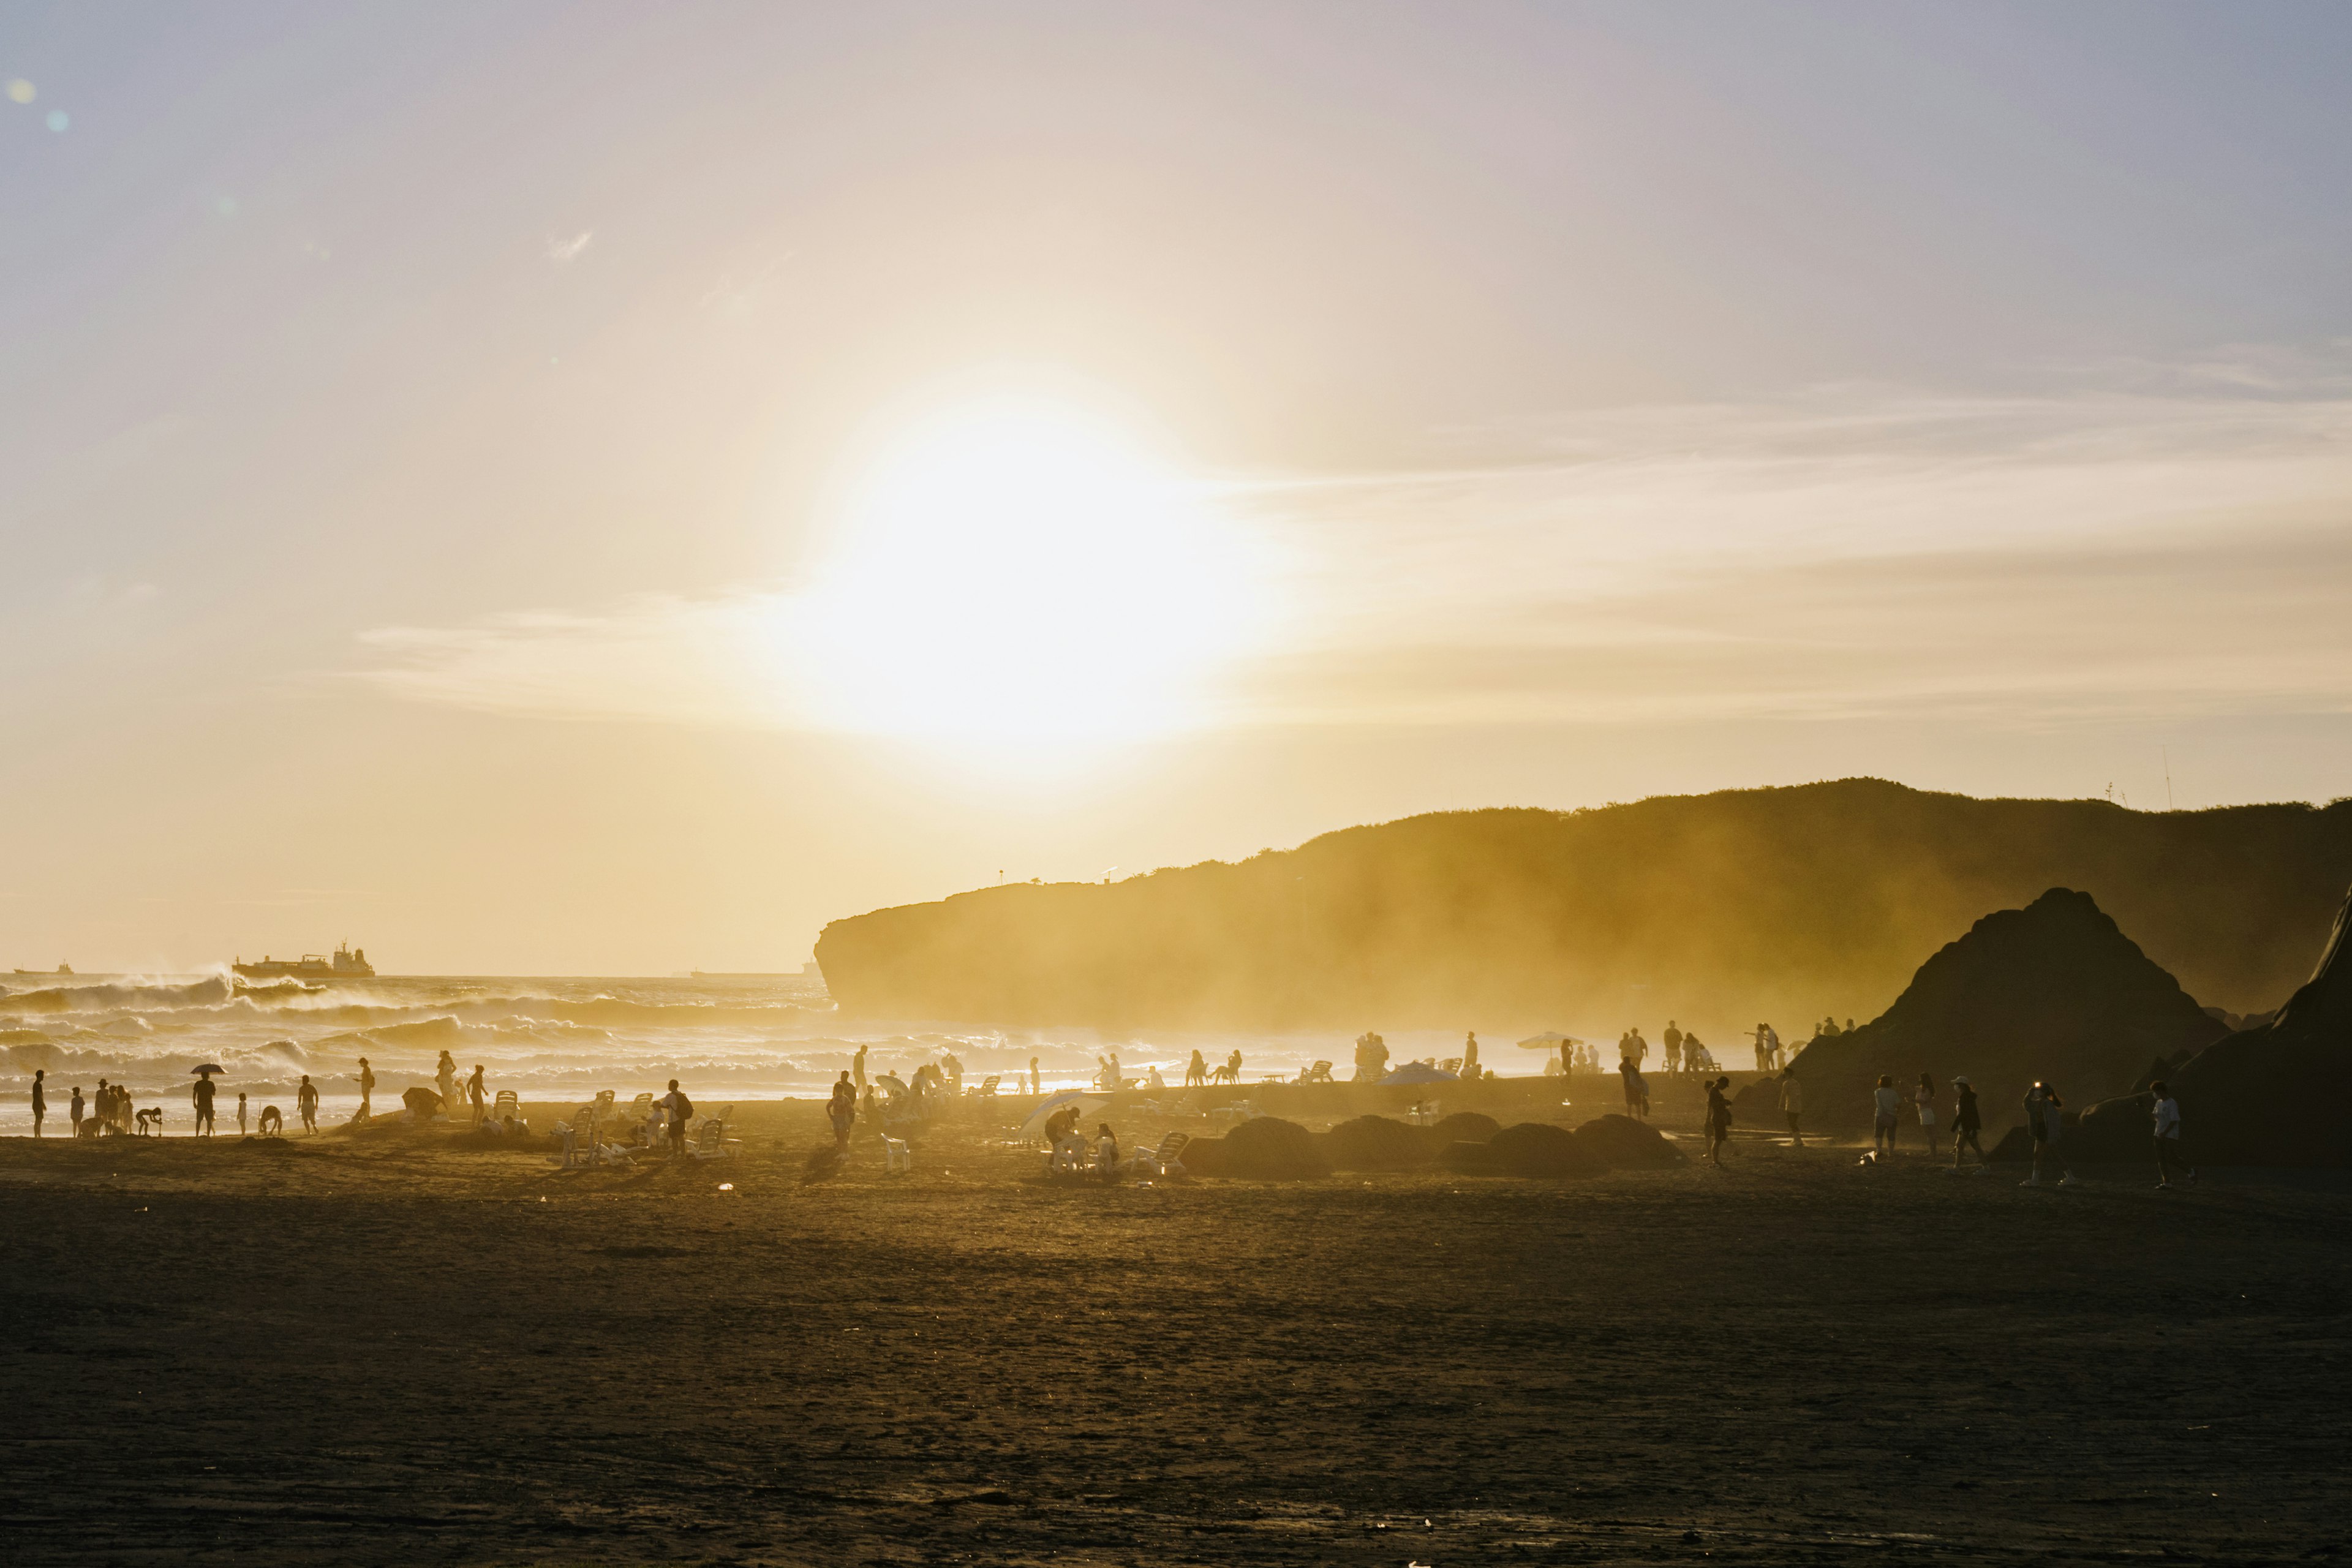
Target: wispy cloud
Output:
[(563, 251), (2121, 552)]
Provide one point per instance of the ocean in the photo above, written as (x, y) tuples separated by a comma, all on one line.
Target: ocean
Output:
[(723, 1037)]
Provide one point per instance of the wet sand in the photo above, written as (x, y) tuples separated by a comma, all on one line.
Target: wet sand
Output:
[(384, 1348)]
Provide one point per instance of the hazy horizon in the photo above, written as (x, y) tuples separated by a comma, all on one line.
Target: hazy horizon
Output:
[(589, 490)]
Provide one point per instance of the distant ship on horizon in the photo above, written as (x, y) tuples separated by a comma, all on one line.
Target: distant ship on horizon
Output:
[(349, 964), (60, 969)]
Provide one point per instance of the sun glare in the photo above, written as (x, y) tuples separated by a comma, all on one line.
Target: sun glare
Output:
[(1026, 574)]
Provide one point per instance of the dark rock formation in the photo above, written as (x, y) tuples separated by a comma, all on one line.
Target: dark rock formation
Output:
[(2052, 991), (2265, 1096), (1462, 1127)]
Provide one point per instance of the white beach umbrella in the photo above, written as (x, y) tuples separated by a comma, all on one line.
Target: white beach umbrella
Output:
[(1088, 1105), (1550, 1039)]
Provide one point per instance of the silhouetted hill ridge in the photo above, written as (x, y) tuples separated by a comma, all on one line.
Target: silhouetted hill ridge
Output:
[(1781, 903)]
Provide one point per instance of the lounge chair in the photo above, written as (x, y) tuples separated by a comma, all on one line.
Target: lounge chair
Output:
[(508, 1107), (1319, 1073), (710, 1140), (1239, 1110), (1165, 1161)]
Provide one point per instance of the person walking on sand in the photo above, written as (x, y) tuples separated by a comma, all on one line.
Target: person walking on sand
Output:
[(1884, 1100), (1719, 1120), (40, 1098), (1966, 1122), (1793, 1106), (367, 1089), (2045, 1120), (1924, 1100), (676, 1109), (2167, 1138), (476, 1093), (306, 1104), (841, 1111)]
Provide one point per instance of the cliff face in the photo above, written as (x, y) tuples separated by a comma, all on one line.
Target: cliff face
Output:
[(1782, 904)]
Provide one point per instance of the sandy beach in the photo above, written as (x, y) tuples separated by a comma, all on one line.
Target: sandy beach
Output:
[(386, 1347)]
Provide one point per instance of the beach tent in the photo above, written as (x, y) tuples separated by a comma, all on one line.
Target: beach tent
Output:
[(1088, 1105)]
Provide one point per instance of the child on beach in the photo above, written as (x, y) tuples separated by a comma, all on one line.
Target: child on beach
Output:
[(241, 1114)]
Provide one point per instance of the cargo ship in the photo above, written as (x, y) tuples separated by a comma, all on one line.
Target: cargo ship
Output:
[(349, 964)]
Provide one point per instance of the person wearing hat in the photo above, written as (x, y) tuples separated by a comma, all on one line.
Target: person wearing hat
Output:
[(1966, 1122)]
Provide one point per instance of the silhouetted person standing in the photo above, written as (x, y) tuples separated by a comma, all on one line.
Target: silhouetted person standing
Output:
[(444, 1074), (857, 1068), (1037, 1079), (1718, 1119), (203, 1096), (676, 1109), (475, 1092), (1792, 1105), (367, 1090), (1671, 1040), (306, 1104), (841, 1111), (40, 1098), (2045, 1120), (241, 1114), (1470, 1055), (1884, 1101), (1924, 1097), (1966, 1122), (2167, 1137), (75, 1107)]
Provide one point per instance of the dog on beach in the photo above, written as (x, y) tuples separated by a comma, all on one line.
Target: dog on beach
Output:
[(150, 1121), (273, 1123)]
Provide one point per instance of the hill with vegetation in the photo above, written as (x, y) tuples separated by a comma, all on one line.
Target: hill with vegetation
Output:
[(1782, 904)]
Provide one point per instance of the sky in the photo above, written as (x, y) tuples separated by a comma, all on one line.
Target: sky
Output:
[(582, 489)]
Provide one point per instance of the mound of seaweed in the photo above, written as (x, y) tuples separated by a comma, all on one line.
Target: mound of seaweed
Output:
[(1621, 1143), (2260, 1097), (1462, 1127), (1264, 1148), (1374, 1143), (2053, 991)]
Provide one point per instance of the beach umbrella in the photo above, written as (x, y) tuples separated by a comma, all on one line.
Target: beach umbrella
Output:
[(1088, 1105), (1550, 1039), (1420, 1072), (207, 1068)]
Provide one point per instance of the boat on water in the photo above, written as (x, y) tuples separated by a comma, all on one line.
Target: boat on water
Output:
[(348, 963), (61, 969)]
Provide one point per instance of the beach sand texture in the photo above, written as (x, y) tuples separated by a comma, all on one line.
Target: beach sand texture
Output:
[(381, 1349)]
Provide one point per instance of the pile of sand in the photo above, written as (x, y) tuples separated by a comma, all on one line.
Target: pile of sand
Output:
[(1264, 1148), (1374, 1143), (2052, 991), (2263, 1096), (1540, 1149), (1462, 1127), (1622, 1143)]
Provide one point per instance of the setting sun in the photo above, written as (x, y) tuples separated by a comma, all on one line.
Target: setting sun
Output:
[(1023, 571)]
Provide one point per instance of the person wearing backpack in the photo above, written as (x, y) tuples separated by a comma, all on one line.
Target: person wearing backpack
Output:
[(676, 1109)]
